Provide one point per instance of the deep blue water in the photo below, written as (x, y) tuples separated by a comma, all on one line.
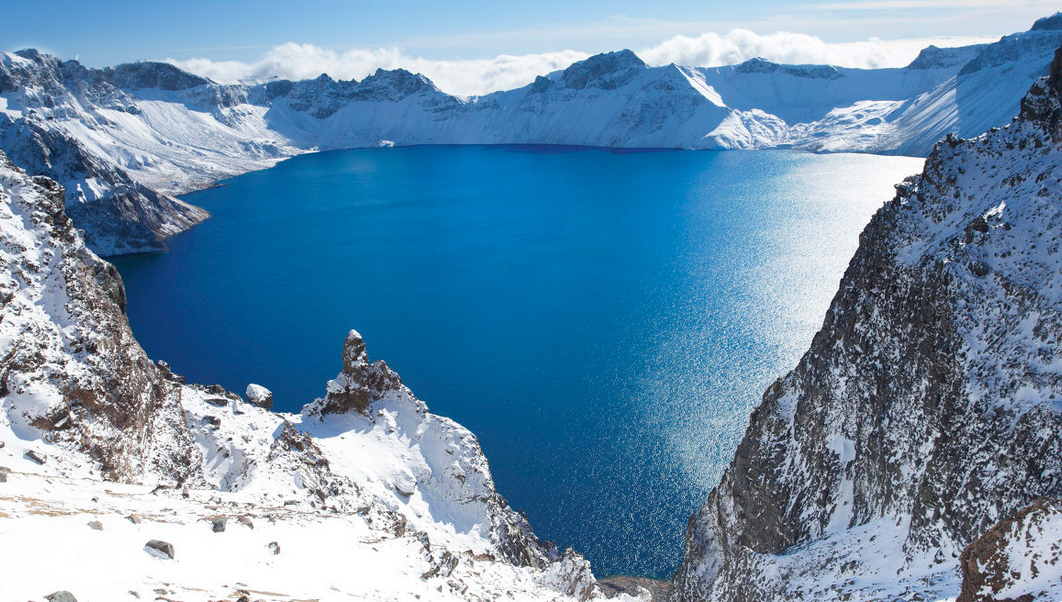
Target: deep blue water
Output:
[(603, 321)]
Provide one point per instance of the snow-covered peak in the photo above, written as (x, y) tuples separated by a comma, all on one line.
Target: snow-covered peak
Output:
[(607, 71), (394, 84), (932, 57), (147, 74), (760, 65), (1012, 48), (1051, 23)]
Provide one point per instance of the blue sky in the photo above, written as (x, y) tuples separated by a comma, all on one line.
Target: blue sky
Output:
[(111, 32), (421, 34)]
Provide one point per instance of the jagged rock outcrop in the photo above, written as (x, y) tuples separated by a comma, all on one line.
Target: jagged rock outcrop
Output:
[(69, 366), (374, 392), (927, 407), (359, 384), (1019, 559)]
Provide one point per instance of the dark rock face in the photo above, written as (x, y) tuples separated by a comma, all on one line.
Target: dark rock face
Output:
[(927, 406), (988, 564), (115, 405)]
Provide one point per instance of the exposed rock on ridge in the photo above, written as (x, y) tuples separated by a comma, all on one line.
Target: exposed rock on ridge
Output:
[(70, 367), (1020, 558), (930, 403), (122, 139)]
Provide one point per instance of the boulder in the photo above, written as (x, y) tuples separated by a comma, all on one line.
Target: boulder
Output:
[(257, 395), (246, 521), (35, 456), (95, 525), (60, 596), (159, 549), (218, 524), (274, 547)]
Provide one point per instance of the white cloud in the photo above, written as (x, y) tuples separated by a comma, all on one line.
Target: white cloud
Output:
[(713, 50), (504, 72), (461, 77)]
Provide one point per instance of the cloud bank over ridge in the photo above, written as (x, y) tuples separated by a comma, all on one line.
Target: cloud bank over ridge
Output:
[(480, 76)]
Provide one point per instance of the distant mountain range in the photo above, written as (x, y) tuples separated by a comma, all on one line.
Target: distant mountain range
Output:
[(125, 138)]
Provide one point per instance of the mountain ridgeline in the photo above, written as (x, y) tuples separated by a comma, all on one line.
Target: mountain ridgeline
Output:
[(915, 452), (124, 139), (929, 405)]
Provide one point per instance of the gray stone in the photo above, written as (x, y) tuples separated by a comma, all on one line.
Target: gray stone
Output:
[(257, 395), (157, 547), (246, 521), (133, 519), (218, 524), (61, 596), (274, 547), (95, 525), (35, 456)]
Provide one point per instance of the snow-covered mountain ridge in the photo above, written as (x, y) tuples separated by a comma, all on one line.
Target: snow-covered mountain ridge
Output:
[(929, 406), (123, 139), (200, 494)]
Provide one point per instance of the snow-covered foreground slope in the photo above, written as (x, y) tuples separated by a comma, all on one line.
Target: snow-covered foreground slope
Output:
[(123, 139), (363, 495), (929, 406)]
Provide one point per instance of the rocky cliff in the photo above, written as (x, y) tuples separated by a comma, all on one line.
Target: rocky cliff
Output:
[(929, 405)]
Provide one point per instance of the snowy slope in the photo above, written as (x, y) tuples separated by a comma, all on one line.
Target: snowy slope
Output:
[(928, 407), (363, 495), (123, 139)]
